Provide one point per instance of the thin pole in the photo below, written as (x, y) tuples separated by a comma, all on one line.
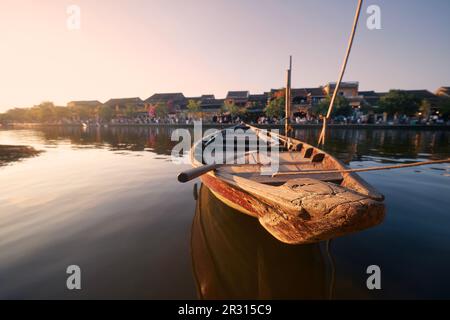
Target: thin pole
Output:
[(400, 166), (341, 76), (288, 98)]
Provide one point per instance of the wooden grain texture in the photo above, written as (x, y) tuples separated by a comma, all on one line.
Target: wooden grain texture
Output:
[(299, 210)]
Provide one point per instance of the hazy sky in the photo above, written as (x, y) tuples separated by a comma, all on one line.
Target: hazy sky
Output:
[(128, 48)]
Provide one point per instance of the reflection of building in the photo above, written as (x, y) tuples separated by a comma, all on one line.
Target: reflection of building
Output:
[(239, 98), (250, 258)]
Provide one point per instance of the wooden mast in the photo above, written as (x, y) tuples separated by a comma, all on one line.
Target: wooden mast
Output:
[(341, 75), (287, 127)]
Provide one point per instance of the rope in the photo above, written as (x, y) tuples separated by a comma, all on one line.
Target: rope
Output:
[(408, 165), (341, 76)]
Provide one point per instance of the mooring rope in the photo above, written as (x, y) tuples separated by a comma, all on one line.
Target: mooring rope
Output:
[(400, 166)]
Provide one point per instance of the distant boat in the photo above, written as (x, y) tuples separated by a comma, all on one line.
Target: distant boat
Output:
[(299, 204)]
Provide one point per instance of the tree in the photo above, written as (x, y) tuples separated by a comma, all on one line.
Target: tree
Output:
[(231, 108), (106, 113), (130, 111), (62, 113), (276, 107), (48, 112), (161, 110), (425, 108), (399, 102), (194, 107), (83, 112), (444, 108), (341, 107), (18, 115)]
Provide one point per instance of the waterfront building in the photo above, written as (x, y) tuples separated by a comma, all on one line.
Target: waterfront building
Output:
[(443, 92), (89, 104), (176, 102), (239, 98), (123, 106), (348, 90)]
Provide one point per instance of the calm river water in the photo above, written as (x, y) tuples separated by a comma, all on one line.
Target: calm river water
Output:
[(108, 201)]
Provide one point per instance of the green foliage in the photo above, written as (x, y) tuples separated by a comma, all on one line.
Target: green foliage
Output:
[(63, 113), (44, 112), (130, 111), (425, 108), (276, 107), (161, 110), (366, 108), (106, 113), (194, 106), (341, 107), (399, 102), (444, 108), (47, 110), (232, 108)]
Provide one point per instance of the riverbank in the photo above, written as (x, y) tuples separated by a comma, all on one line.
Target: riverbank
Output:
[(263, 126)]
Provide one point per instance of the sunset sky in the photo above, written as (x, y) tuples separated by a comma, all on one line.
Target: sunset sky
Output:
[(129, 48)]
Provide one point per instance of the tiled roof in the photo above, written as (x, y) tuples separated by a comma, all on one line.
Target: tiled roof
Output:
[(122, 101), (159, 97), (316, 91), (86, 102), (237, 95)]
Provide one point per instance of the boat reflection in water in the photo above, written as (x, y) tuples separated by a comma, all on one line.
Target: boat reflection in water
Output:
[(235, 258)]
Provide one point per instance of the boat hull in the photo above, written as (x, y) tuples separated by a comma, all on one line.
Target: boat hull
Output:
[(289, 225), (298, 209)]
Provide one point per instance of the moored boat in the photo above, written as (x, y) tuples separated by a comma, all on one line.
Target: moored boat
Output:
[(310, 198)]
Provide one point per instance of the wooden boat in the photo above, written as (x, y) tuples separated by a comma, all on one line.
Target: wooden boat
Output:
[(296, 208), (233, 257)]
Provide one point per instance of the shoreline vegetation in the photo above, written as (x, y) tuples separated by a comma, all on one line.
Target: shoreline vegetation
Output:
[(309, 107), (225, 125)]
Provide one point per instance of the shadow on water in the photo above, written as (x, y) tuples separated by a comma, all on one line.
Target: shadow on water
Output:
[(382, 145), (10, 154), (235, 258)]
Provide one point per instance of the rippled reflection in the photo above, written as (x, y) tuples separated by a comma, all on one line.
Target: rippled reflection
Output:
[(346, 144), (108, 200), (235, 258)]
